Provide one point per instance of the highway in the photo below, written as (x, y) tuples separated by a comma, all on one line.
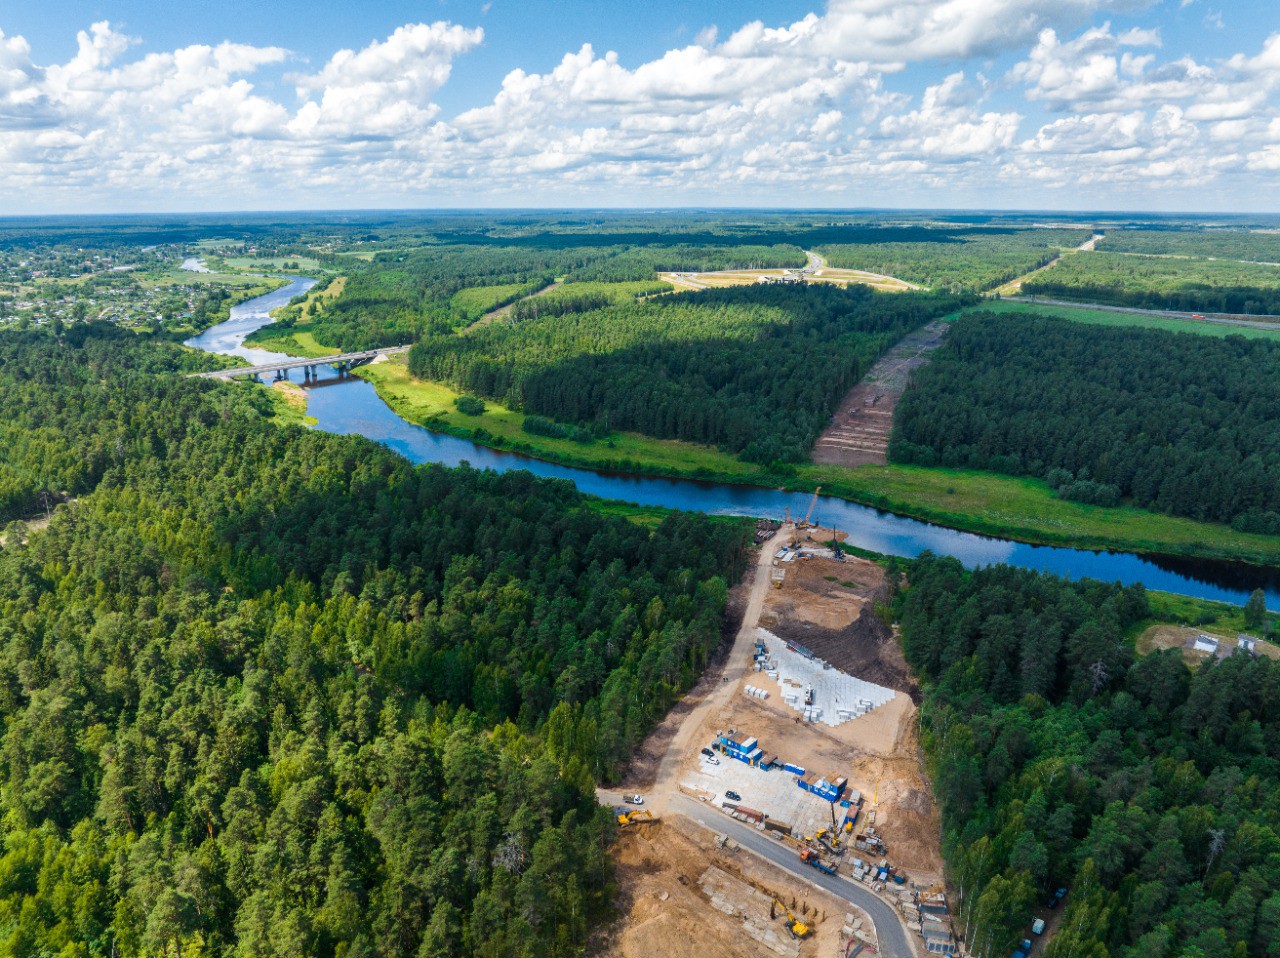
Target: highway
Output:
[(1261, 322), (352, 358), (890, 933)]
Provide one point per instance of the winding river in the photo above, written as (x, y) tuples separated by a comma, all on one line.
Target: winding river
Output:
[(350, 406)]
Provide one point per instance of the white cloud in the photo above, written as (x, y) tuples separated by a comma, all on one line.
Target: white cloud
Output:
[(827, 103)]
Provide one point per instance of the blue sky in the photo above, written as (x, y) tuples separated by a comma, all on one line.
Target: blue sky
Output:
[(132, 105)]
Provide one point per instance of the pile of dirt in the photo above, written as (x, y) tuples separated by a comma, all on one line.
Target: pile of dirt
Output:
[(668, 874), (829, 608)]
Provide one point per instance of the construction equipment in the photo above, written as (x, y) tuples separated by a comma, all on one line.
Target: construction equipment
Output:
[(811, 858), (640, 816), (797, 928), (813, 503)]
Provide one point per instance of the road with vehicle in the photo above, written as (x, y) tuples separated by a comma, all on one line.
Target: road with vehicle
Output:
[(890, 932), (665, 798)]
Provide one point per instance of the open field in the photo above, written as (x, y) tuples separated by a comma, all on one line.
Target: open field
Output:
[(746, 277), (432, 404), (272, 263)]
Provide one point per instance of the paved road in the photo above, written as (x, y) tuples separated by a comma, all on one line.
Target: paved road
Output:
[(891, 934), (1260, 322), (665, 797)]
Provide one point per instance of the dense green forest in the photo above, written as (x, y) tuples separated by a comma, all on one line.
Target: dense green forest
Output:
[(1175, 422), (1244, 245), (1160, 282), (962, 260), (1060, 759), (754, 369), (275, 692)]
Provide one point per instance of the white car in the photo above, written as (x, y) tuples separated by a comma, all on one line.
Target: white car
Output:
[(713, 760), (633, 799)]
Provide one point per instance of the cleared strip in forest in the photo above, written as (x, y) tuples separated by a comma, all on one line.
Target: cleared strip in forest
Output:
[(859, 433), (1014, 286), (502, 311)]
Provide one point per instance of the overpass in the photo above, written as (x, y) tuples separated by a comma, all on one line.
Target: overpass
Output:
[(344, 362)]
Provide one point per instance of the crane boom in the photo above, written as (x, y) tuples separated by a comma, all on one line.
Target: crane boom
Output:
[(812, 504)]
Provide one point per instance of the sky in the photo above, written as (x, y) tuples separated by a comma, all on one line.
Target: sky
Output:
[(138, 106)]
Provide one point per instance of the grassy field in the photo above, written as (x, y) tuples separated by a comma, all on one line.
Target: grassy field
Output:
[(478, 300), (432, 404), (1015, 508), (298, 340), (1103, 317)]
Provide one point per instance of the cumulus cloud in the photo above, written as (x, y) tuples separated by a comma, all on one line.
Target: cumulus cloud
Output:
[(829, 102)]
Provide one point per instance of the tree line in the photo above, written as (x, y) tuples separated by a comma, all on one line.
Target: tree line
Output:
[(755, 370), (275, 692), (1179, 423), (1062, 759)]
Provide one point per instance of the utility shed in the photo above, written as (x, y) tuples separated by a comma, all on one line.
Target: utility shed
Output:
[(1205, 643)]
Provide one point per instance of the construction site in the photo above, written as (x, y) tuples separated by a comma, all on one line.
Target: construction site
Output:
[(859, 432), (807, 736)]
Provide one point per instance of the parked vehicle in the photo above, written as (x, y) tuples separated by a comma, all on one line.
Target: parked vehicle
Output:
[(708, 753), (633, 799), (733, 796)]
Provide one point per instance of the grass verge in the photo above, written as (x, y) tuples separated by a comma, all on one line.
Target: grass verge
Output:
[(1103, 317)]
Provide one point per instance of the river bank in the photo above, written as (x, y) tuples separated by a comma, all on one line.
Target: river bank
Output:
[(352, 406), (984, 503)]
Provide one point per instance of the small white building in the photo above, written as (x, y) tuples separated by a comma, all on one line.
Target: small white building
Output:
[(1205, 643), (1247, 643)]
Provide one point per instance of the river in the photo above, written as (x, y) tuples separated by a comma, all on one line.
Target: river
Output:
[(351, 406)]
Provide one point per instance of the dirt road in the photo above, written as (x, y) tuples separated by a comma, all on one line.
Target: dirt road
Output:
[(666, 782), (665, 798)]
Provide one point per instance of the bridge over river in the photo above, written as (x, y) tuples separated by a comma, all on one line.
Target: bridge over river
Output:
[(343, 362)]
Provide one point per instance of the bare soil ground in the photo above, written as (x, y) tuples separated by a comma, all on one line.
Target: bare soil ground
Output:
[(681, 896), (859, 434), (829, 608), (879, 752), (1164, 636)]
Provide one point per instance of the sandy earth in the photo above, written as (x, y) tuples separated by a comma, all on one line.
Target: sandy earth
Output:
[(668, 873), (878, 752), (859, 433)]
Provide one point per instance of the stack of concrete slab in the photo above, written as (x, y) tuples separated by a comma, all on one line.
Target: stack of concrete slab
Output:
[(821, 693)]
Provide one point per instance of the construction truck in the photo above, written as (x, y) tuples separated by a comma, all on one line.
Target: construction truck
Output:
[(637, 817), (797, 928), (811, 858)]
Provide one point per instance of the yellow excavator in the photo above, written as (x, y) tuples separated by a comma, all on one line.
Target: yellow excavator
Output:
[(637, 817), (797, 928)]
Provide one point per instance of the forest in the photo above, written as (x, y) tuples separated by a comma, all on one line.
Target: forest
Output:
[(1256, 246), (1178, 423), (1160, 282), (755, 370), (1061, 759), (277, 692), (970, 260)]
